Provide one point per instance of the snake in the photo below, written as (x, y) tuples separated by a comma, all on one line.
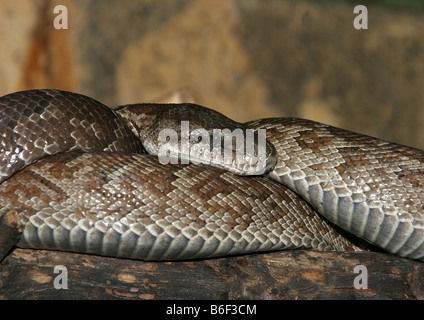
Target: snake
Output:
[(78, 176)]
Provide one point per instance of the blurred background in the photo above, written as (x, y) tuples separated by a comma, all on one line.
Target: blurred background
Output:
[(245, 58)]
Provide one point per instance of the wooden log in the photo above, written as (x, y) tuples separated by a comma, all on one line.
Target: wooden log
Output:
[(300, 274)]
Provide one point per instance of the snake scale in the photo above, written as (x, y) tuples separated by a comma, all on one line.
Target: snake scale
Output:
[(76, 176)]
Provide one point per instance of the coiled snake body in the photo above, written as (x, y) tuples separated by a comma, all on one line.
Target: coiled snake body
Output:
[(75, 177)]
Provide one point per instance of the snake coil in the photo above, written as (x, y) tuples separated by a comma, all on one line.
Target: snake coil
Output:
[(75, 176)]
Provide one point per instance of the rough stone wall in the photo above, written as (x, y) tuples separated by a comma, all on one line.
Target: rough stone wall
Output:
[(247, 59)]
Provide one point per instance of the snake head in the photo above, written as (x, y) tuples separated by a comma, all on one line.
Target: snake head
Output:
[(189, 133)]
